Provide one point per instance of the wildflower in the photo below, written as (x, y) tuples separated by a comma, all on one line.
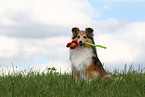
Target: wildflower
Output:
[(72, 44)]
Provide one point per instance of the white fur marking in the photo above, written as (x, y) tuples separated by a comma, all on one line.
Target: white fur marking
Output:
[(80, 59)]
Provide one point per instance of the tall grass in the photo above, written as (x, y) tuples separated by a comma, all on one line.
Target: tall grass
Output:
[(54, 84)]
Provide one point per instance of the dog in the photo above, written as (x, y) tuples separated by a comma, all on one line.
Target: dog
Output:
[(84, 60)]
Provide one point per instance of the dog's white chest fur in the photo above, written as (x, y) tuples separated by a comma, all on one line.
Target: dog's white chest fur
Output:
[(81, 58)]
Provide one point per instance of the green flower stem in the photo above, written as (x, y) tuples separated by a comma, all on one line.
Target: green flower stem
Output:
[(95, 45)]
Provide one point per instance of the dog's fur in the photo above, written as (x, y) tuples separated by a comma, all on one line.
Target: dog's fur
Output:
[(84, 60)]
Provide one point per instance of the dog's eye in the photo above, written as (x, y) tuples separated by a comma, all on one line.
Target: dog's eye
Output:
[(85, 37), (78, 36)]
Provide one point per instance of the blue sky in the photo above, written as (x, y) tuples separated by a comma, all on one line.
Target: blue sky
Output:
[(122, 11), (34, 33)]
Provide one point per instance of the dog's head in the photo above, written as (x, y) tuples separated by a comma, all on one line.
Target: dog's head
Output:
[(83, 36)]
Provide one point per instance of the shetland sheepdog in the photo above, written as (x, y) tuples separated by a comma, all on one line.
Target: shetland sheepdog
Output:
[(84, 59)]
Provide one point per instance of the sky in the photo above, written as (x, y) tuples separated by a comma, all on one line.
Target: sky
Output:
[(34, 33)]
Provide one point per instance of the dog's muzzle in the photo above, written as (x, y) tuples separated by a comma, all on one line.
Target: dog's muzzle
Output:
[(81, 43)]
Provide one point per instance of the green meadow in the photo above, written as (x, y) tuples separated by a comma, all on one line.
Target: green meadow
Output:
[(54, 84)]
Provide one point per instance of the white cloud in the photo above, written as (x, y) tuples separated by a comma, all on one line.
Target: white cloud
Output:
[(44, 18), (64, 12), (124, 43), (7, 45), (29, 50), (110, 25)]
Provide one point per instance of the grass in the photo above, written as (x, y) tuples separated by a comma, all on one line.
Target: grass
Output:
[(53, 84)]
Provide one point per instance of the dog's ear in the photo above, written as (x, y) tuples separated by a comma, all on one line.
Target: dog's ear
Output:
[(75, 31), (90, 32)]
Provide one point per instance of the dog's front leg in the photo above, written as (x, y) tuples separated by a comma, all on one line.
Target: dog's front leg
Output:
[(75, 75)]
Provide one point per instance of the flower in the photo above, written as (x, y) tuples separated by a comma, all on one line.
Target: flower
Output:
[(72, 44)]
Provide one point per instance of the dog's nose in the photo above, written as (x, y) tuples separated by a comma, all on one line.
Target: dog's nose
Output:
[(80, 42)]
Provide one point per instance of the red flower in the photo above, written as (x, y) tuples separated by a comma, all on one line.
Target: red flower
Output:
[(72, 44)]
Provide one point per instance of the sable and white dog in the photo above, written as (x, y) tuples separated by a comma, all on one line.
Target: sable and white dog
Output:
[(84, 60)]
